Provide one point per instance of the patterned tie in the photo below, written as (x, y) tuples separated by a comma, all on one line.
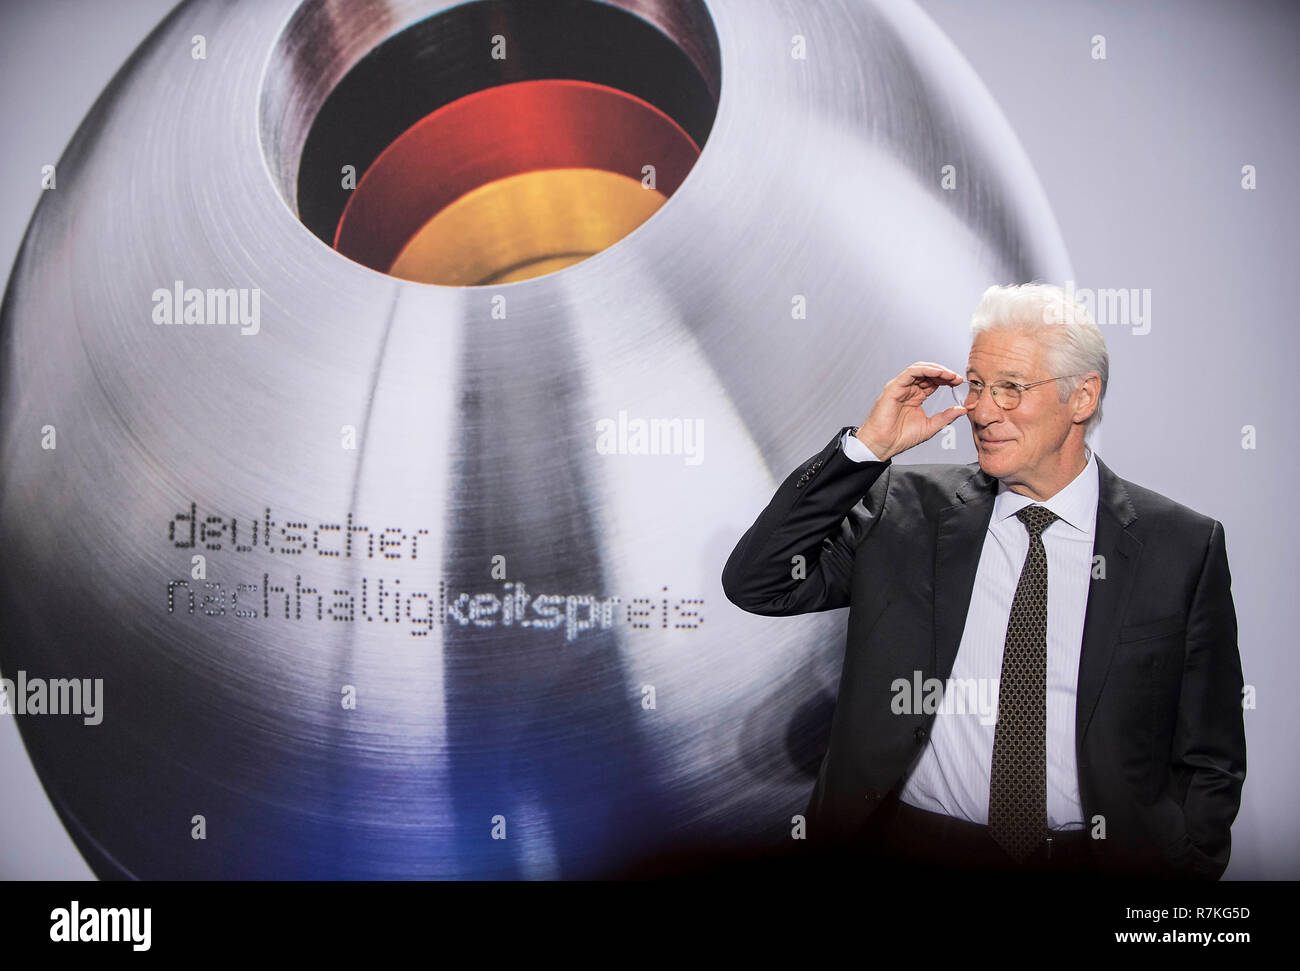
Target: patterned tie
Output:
[(1018, 780)]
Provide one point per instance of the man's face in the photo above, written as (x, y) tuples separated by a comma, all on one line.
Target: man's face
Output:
[(1021, 446)]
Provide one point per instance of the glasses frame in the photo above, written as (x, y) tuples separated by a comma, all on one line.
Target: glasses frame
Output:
[(1020, 389)]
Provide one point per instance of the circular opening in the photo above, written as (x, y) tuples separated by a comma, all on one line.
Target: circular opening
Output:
[(490, 141)]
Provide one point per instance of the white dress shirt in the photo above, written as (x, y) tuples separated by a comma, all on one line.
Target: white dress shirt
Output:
[(952, 774)]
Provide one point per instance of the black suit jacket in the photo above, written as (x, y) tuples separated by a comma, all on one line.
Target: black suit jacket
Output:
[(1159, 733)]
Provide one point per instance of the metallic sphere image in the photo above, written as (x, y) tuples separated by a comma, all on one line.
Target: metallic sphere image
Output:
[(385, 384)]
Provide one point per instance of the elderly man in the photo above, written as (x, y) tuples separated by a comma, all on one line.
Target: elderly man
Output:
[(1095, 614)]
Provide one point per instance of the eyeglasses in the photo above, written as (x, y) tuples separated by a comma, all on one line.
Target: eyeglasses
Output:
[(1006, 394)]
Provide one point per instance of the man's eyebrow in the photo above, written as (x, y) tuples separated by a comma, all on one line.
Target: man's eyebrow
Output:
[(1005, 374)]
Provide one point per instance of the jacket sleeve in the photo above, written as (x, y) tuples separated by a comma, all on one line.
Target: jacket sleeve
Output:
[(1209, 745), (798, 556)]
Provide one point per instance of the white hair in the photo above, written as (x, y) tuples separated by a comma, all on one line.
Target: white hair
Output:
[(1072, 340)]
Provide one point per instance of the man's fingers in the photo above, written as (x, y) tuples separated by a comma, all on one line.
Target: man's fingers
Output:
[(932, 371), (941, 419)]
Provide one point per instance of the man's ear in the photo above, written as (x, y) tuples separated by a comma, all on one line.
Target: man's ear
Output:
[(1090, 391)]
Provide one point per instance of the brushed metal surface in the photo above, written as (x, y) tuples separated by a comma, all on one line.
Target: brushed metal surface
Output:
[(475, 438)]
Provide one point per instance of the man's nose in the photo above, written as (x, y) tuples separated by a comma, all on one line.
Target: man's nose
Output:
[(985, 411)]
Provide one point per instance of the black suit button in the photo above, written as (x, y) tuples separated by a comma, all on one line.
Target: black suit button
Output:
[(873, 795), (920, 734)]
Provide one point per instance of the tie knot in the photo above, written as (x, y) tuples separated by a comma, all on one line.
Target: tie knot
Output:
[(1036, 518)]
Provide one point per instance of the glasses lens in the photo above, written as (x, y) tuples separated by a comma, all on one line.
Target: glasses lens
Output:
[(940, 399), (1007, 397)]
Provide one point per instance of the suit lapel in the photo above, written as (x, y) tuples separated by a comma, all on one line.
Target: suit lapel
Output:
[(960, 542), (1107, 597)]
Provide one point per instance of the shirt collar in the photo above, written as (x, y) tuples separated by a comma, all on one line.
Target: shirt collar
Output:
[(1076, 503)]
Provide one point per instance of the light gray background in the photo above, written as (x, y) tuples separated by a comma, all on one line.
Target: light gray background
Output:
[(1140, 155)]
